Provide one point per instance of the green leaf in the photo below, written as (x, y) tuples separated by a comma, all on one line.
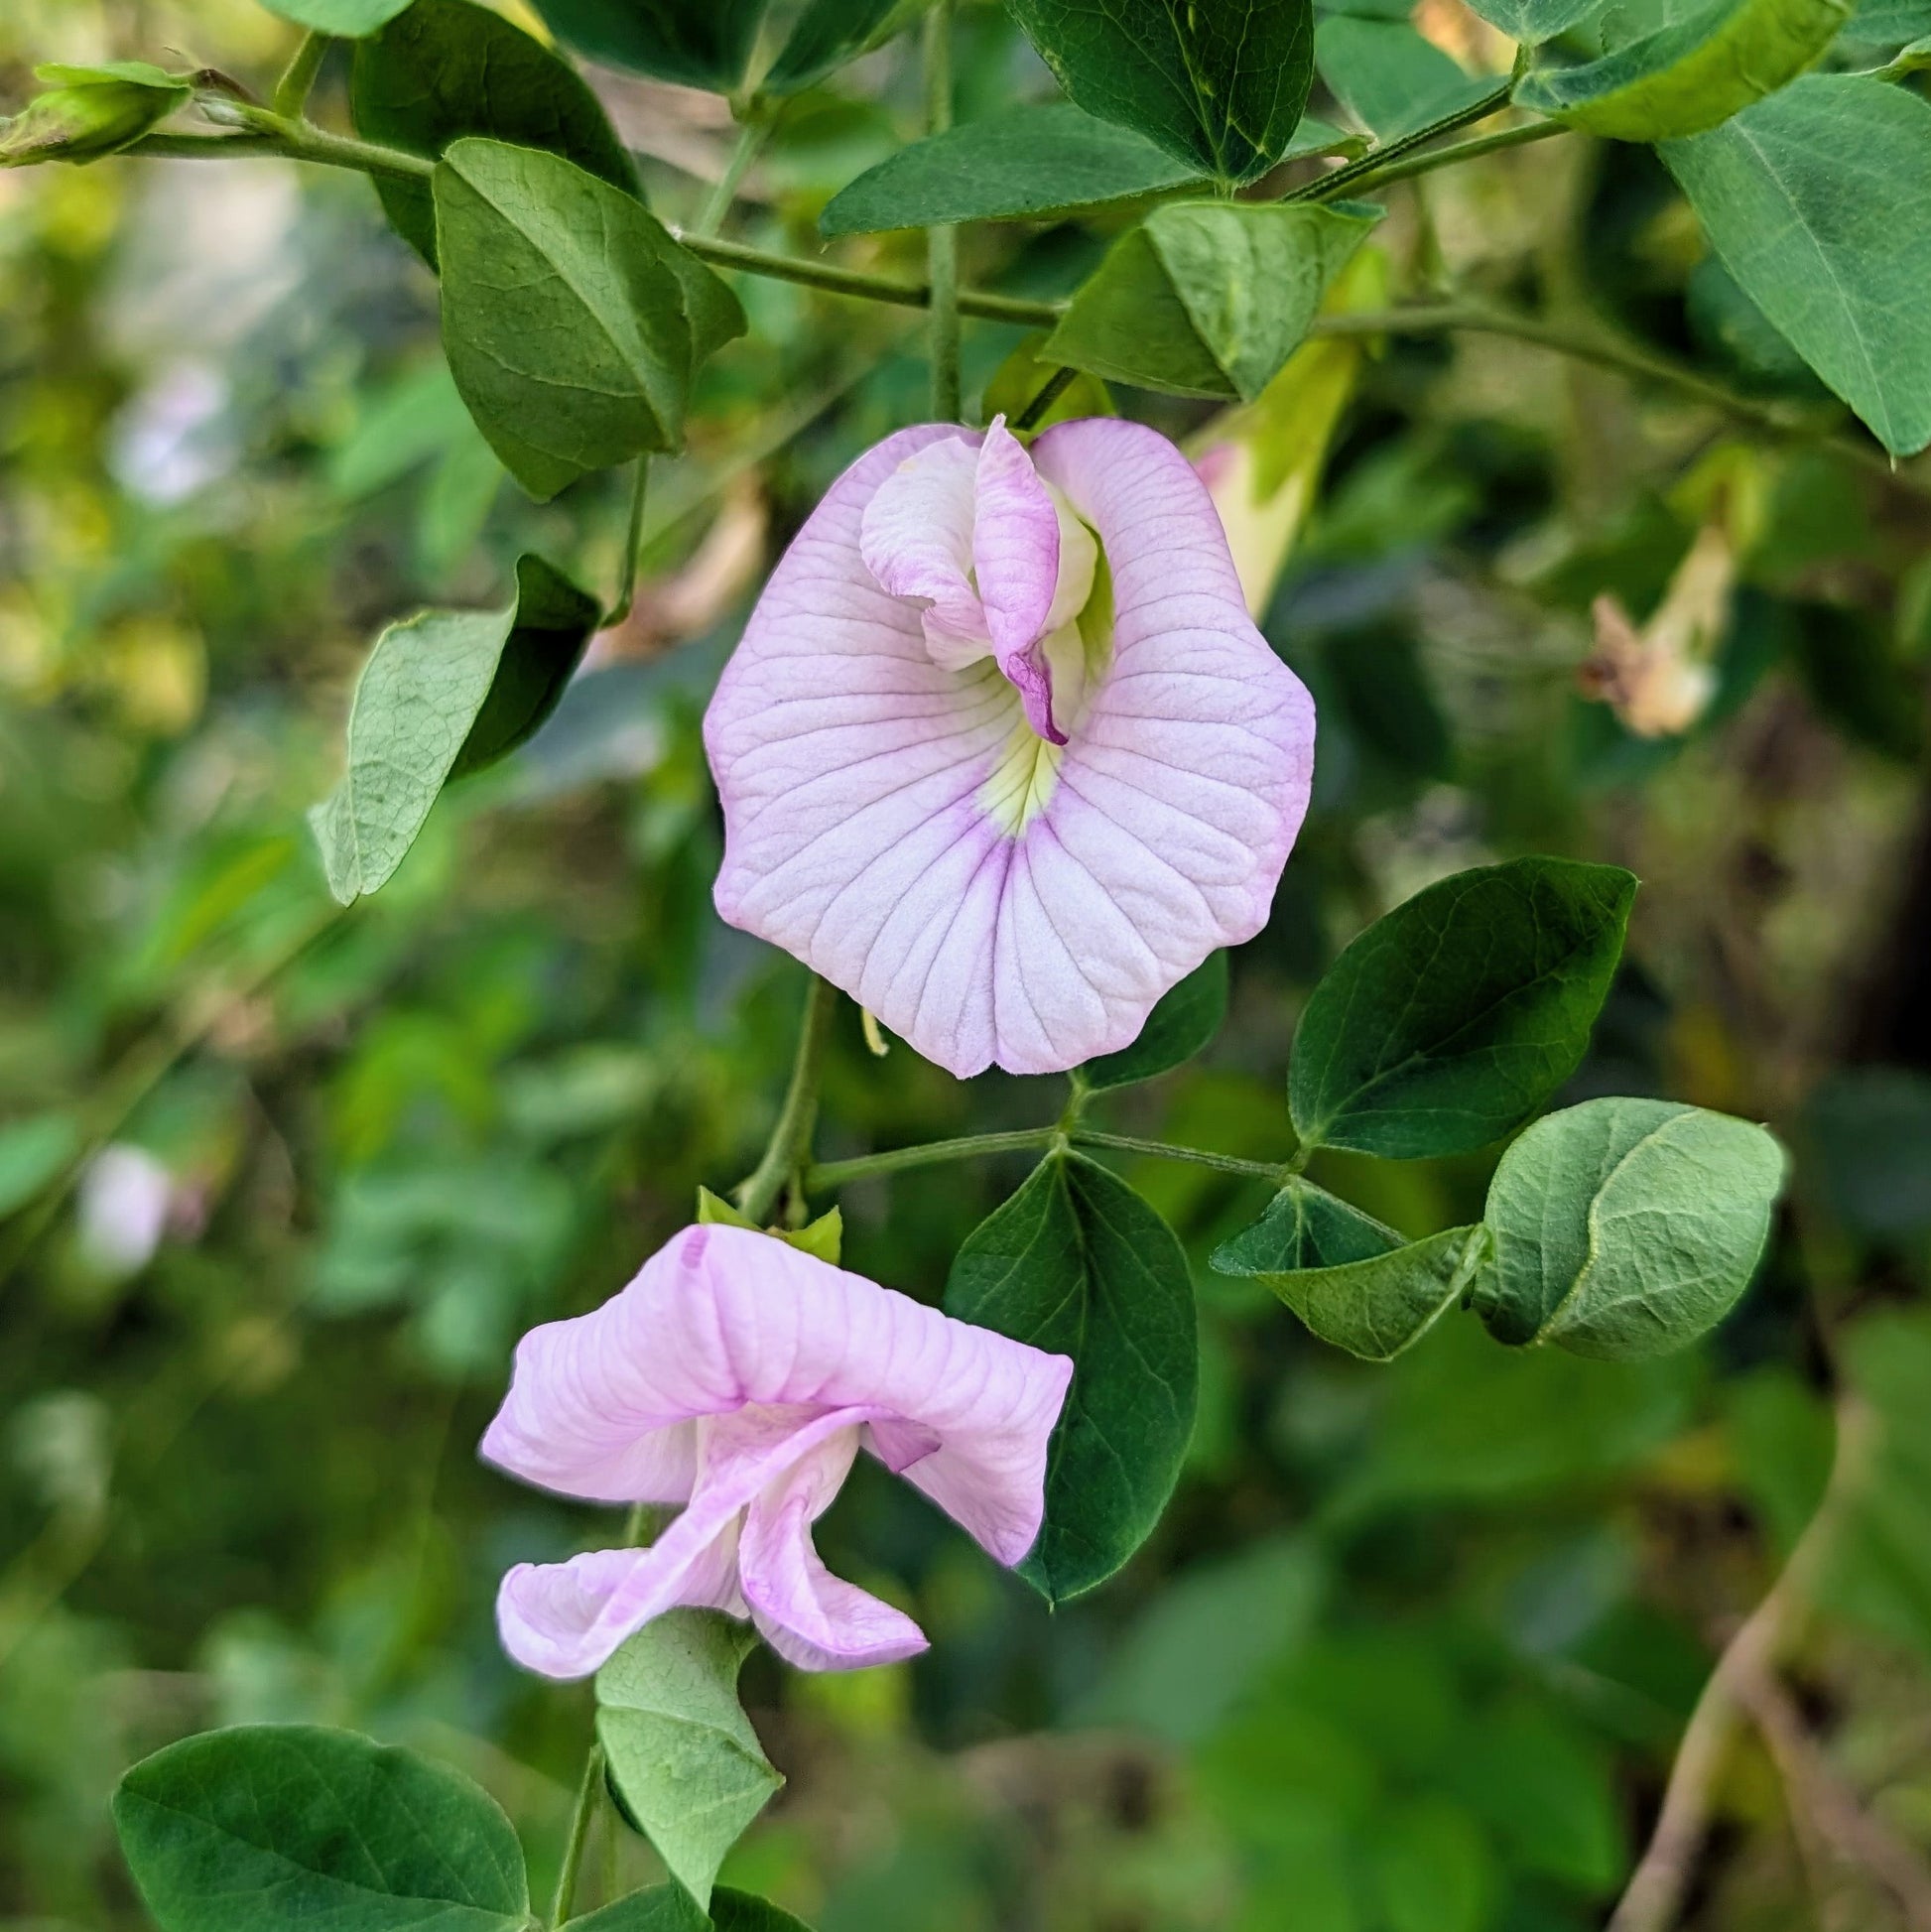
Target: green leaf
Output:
[(1692, 73), (573, 323), (1389, 78), (33, 1151), (443, 695), (1030, 161), (1377, 1307), (1626, 1228), (1304, 1226), (1220, 88), (1799, 196), (447, 68), (1078, 1264), (1533, 21), (670, 1908), (1451, 1020), (822, 1237), (1183, 1023), (681, 1753), (1209, 298), (699, 43), (350, 19), (829, 32), (282, 1824)]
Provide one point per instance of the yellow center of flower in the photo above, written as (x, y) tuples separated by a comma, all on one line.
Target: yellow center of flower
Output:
[(1026, 772)]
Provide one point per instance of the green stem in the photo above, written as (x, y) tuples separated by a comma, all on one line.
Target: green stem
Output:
[(293, 90), (1054, 387), (942, 242), (633, 538), (1164, 1150), (587, 1790), (787, 1153), (750, 138), (1336, 181), (1456, 152), (838, 1173), (857, 282), (270, 133)]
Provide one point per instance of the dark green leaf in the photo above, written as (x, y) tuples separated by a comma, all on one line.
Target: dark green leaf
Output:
[(1078, 1264), (1626, 1228), (681, 1752), (1872, 1130), (447, 68), (1209, 298), (829, 32), (1377, 1307), (442, 695), (670, 1908), (1533, 21), (1029, 160), (1549, 1790), (280, 1825), (349, 18), (1220, 88), (1182, 1024), (1799, 196), (572, 320), (1389, 78), (1451, 1020), (701, 42), (1304, 1226), (1693, 73)]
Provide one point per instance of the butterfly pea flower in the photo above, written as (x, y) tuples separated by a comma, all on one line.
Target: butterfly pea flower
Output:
[(1001, 753), (740, 1377)]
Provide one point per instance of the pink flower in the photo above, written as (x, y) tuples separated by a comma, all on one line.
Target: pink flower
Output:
[(740, 1377), (1001, 753)]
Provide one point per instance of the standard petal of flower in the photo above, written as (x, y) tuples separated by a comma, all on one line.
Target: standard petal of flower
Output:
[(811, 1617), (987, 897), (916, 539)]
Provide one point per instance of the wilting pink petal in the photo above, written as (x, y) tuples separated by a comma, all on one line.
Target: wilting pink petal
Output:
[(909, 826), (746, 1375)]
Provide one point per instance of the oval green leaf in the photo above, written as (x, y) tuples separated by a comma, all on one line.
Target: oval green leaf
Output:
[(1691, 74), (1078, 1264), (1626, 1228), (447, 68), (275, 1825), (1389, 78), (1209, 298), (1799, 196), (699, 42), (1304, 1226), (443, 695), (1183, 1023), (1448, 1022), (571, 322), (350, 19), (681, 1751), (1220, 88), (1377, 1307)]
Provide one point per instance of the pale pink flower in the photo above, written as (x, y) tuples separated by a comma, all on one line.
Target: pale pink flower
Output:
[(1001, 753), (740, 1377)]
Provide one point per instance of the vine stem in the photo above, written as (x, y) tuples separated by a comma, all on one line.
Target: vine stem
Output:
[(930, 1153), (1400, 168), (1655, 1895), (787, 1153), (633, 538), (942, 241), (589, 1786), (751, 137), (297, 82), (1336, 181)]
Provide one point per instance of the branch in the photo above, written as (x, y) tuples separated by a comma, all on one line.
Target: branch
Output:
[(789, 1153), (1655, 1895), (1324, 188)]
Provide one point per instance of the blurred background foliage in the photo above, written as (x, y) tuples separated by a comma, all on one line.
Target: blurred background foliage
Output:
[(280, 1187)]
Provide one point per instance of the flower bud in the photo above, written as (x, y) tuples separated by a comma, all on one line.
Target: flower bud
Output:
[(89, 112)]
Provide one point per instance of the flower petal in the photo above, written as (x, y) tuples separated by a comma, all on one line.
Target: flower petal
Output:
[(916, 538), (854, 775), (1015, 543), (811, 1617)]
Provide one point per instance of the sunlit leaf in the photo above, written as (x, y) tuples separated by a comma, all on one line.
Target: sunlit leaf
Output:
[(1626, 1228), (1078, 1264), (681, 1753)]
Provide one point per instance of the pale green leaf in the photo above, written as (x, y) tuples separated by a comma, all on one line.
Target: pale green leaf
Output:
[(681, 1753), (824, 1238), (1389, 78), (1377, 1307), (1626, 1228), (350, 19)]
